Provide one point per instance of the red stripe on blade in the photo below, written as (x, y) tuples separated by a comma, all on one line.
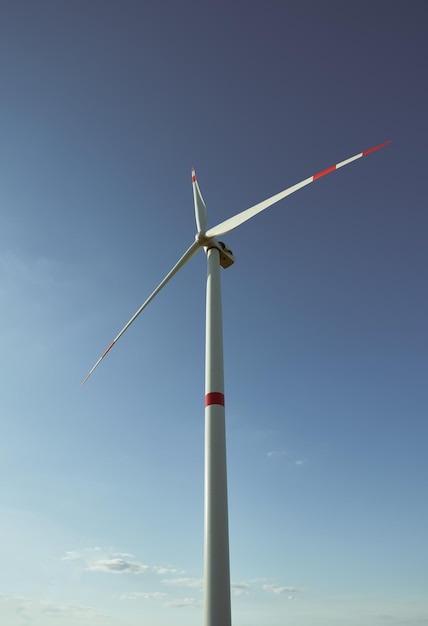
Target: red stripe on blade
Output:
[(324, 172), (376, 148), (214, 398), (109, 348)]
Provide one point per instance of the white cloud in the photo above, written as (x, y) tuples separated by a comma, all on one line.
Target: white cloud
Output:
[(136, 595), (106, 560), (239, 589), (276, 453), (118, 566), (279, 590), (72, 555), (166, 570), (183, 602), (17, 611), (125, 563), (257, 581), (194, 583)]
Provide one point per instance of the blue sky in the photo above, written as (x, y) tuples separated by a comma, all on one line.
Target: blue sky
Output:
[(105, 107)]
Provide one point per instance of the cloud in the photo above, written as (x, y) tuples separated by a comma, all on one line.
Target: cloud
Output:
[(118, 566), (193, 583), (278, 590), (136, 595), (276, 453), (105, 560), (300, 462), (239, 589), (71, 609), (257, 581), (72, 555), (166, 570), (30, 611), (183, 602)]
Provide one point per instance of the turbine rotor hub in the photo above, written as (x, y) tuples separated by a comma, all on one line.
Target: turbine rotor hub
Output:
[(202, 239)]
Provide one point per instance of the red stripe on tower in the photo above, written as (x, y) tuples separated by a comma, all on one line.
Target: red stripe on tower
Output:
[(324, 172), (214, 398)]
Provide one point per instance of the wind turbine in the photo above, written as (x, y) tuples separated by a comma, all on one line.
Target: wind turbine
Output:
[(216, 535)]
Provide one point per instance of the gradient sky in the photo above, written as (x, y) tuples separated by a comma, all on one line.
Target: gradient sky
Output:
[(105, 107)]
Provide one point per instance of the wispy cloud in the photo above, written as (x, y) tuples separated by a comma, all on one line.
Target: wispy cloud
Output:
[(278, 454), (239, 589), (182, 603), (136, 595), (71, 555), (193, 583), (258, 581), (109, 561), (166, 570), (114, 562), (118, 566), (49, 614), (291, 591), (74, 555)]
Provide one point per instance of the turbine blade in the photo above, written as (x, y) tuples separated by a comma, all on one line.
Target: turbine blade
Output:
[(200, 208), (186, 257), (240, 218)]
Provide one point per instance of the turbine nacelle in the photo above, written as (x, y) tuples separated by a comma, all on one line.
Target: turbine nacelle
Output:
[(226, 255)]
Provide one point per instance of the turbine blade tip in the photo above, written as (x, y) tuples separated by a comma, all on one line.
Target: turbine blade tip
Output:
[(381, 145), (84, 380)]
